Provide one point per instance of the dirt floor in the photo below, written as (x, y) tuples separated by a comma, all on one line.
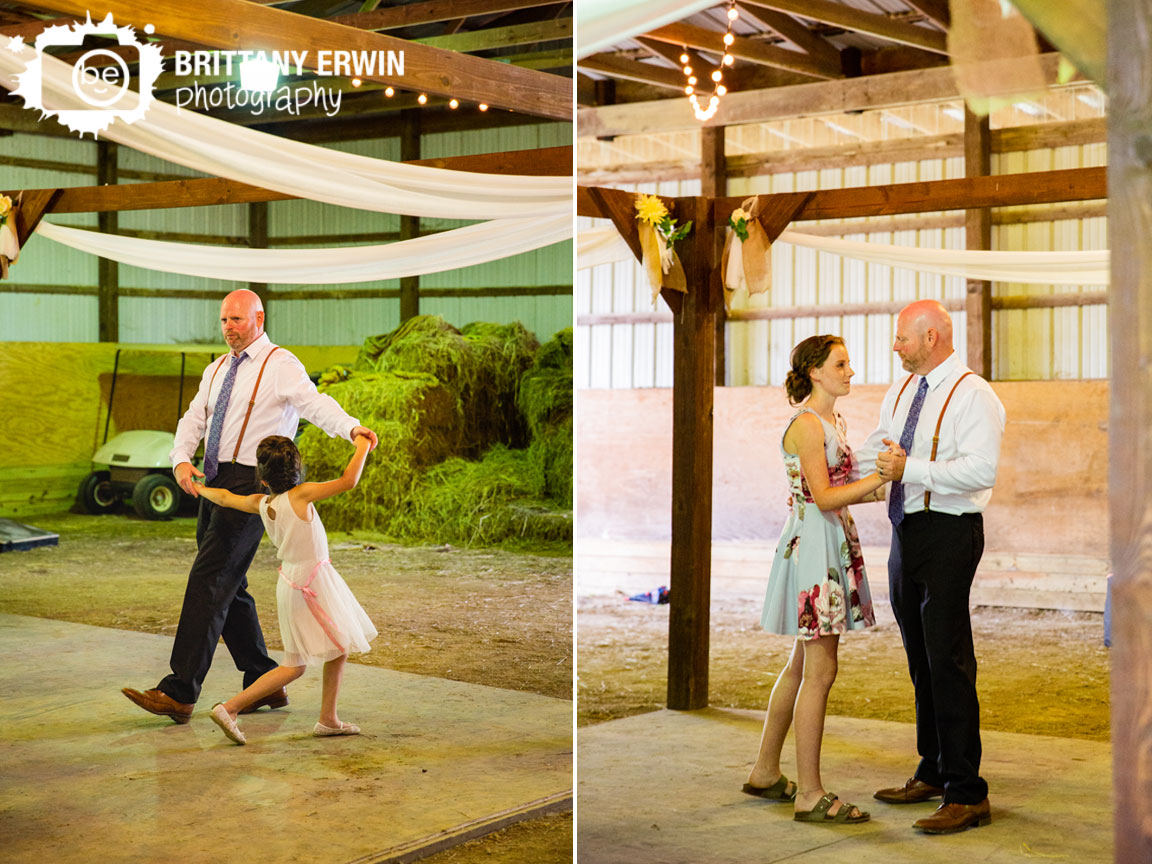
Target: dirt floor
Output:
[(484, 616), (1040, 672)]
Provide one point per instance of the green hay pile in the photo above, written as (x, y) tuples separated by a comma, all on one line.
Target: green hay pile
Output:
[(440, 399)]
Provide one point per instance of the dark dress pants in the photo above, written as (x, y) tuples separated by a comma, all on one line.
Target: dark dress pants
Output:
[(216, 601), (930, 570)]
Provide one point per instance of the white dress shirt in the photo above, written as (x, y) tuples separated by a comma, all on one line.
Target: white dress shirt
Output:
[(964, 471), (286, 394)]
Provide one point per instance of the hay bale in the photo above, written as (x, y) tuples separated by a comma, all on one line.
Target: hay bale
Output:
[(439, 398)]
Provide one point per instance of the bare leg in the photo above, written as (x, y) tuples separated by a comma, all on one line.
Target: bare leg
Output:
[(778, 718), (333, 675), (265, 685), (811, 706)]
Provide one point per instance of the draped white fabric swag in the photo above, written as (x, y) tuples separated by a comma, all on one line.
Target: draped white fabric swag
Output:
[(461, 247), (602, 23), (307, 171), (604, 245)]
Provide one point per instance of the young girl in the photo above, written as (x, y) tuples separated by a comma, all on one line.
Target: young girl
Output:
[(817, 588), (320, 620)]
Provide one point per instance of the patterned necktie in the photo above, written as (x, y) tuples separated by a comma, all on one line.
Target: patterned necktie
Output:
[(896, 493), (212, 447)]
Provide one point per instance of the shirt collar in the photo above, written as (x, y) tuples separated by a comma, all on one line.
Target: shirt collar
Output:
[(937, 376), (258, 346)]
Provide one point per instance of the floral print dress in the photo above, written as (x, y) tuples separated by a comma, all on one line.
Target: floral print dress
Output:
[(817, 585)]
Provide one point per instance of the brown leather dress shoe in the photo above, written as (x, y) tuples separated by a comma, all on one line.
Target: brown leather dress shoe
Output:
[(912, 792), (950, 818), (159, 702), (279, 699)]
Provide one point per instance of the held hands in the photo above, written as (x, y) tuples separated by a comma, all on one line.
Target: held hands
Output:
[(359, 432), (186, 475), (890, 463)]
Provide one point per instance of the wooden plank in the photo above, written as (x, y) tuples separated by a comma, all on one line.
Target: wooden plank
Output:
[(935, 11), (713, 184), (409, 225), (692, 398), (108, 271), (851, 18), (237, 25), (744, 49), (796, 33), (866, 93), (978, 236), (430, 12), (1017, 138), (80, 168), (547, 161), (258, 239), (501, 37), (1040, 187), (630, 70)]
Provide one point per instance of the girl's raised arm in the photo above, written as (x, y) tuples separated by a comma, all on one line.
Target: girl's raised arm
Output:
[(247, 503), (307, 492)]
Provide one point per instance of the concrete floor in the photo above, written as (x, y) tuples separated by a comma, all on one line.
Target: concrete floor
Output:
[(86, 776), (664, 788)]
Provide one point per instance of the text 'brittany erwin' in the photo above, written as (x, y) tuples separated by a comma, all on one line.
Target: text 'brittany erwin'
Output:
[(334, 63)]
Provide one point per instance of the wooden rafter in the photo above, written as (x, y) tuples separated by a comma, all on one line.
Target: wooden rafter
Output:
[(502, 37), (548, 161), (630, 70), (935, 11), (795, 32), (745, 49), (851, 18), (237, 25), (431, 12)]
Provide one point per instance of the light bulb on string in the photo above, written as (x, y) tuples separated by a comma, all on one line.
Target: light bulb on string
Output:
[(726, 59), (389, 92)]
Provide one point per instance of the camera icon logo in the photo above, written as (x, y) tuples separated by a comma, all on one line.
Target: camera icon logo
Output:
[(97, 88)]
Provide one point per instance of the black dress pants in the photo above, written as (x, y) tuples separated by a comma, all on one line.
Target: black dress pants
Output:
[(930, 570), (216, 601)]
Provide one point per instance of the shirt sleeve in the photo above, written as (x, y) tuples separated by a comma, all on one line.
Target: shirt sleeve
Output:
[(192, 426), (295, 387), (977, 427)]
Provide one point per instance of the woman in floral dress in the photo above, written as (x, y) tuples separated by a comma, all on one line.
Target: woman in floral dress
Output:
[(817, 588)]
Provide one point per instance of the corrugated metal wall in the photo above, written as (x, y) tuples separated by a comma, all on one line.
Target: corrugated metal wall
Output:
[(1034, 344), (59, 317)]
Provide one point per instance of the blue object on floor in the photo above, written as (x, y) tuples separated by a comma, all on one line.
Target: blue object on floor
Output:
[(14, 536), (645, 597), (1108, 612), (663, 594)]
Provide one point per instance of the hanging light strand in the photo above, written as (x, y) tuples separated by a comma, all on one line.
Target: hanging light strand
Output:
[(704, 113)]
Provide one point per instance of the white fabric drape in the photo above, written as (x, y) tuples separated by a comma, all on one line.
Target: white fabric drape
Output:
[(602, 23), (599, 246), (318, 173), (461, 247)]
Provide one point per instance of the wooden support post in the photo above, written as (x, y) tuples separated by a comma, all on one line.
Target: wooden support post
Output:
[(694, 333), (714, 184), (1129, 446), (978, 235), (108, 271), (409, 225), (258, 239)]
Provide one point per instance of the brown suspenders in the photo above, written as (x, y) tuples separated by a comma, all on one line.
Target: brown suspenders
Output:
[(939, 421), (251, 401)]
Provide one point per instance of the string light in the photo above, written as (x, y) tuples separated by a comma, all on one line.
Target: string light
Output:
[(389, 92), (483, 107), (704, 114), (356, 82), (422, 99), (454, 104)]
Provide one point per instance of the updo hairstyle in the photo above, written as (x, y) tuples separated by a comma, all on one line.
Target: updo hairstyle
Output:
[(278, 463), (808, 355)]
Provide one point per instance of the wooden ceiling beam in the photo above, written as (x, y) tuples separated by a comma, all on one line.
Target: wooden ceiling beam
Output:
[(794, 32), (935, 11), (431, 12), (630, 70), (851, 18), (238, 24), (501, 37), (774, 103), (744, 49), (672, 53), (547, 161)]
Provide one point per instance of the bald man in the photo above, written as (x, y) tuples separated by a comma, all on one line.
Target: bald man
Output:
[(255, 390), (936, 499)]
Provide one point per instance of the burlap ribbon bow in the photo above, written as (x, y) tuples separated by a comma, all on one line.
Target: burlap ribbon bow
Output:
[(747, 263), (9, 241), (661, 263)]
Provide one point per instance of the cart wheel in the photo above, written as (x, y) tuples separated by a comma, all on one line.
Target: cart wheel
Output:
[(156, 497), (96, 493)]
